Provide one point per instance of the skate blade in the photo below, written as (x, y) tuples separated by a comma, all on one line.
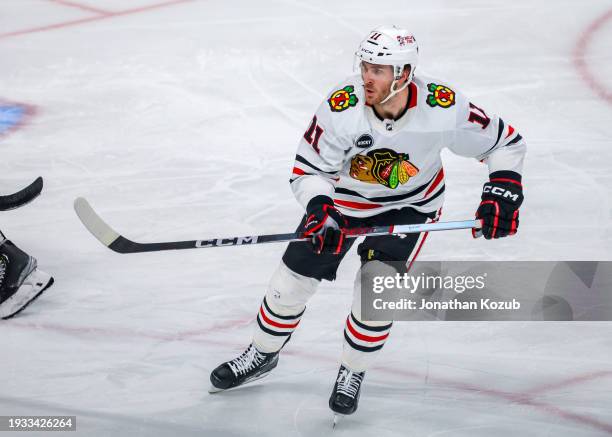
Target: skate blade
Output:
[(212, 389), (337, 418), (24, 296)]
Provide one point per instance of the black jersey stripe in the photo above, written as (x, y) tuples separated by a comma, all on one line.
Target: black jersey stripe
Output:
[(292, 180), (429, 199), (514, 141), (500, 129), (393, 198), (300, 158)]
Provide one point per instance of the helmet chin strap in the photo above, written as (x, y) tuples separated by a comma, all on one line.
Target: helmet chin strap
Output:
[(394, 91)]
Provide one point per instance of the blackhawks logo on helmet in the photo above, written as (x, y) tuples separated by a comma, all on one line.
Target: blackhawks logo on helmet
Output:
[(343, 99), (440, 95), (383, 166)]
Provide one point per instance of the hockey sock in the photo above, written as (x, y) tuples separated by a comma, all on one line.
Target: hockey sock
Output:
[(282, 308), (362, 342), (364, 339)]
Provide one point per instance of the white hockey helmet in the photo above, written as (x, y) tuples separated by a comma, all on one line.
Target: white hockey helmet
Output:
[(390, 45)]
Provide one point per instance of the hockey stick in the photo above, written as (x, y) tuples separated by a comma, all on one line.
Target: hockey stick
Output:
[(115, 241), (21, 197)]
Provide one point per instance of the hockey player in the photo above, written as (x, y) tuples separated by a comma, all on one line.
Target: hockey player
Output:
[(371, 157), (21, 282)]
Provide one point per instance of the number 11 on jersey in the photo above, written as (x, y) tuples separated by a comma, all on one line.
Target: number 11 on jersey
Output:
[(313, 134)]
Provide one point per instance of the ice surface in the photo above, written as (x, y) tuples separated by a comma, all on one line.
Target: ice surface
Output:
[(181, 122)]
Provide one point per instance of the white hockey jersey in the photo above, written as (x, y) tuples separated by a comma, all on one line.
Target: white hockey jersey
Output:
[(369, 165)]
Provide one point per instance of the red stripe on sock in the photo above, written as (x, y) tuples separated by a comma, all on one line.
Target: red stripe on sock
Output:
[(363, 337), (276, 324)]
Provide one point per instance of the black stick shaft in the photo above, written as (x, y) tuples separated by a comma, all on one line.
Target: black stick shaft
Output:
[(117, 242)]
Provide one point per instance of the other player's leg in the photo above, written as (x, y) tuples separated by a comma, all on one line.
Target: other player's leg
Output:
[(21, 282)]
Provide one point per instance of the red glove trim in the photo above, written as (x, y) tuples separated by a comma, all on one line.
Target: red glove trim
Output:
[(496, 219), (513, 226), (512, 181), (340, 241), (316, 228)]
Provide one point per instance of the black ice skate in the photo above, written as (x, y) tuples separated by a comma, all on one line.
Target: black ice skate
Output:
[(248, 367), (20, 281), (345, 395)]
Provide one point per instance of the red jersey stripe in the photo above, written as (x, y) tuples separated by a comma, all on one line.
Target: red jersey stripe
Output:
[(356, 205), (435, 183)]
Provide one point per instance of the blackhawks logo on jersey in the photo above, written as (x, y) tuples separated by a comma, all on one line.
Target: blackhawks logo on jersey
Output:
[(383, 166), (343, 99), (440, 95)]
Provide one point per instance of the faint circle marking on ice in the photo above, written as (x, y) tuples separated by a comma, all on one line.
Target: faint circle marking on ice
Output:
[(581, 63)]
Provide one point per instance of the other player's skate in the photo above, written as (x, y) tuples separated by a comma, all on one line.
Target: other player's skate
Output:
[(345, 395), (250, 366), (20, 281)]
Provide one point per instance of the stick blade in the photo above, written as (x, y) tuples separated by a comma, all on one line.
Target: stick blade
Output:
[(94, 224), (22, 197), (36, 187)]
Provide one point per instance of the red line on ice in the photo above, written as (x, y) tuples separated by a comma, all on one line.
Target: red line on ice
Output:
[(524, 398), (569, 381), (516, 398), (80, 6), (581, 63), (129, 333), (90, 19)]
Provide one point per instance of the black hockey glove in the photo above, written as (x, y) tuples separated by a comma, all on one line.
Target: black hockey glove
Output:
[(499, 209), (324, 225)]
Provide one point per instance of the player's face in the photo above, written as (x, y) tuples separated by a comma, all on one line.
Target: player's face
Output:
[(377, 80)]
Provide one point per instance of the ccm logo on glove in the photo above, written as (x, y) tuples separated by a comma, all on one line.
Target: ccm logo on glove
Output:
[(499, 208), (499, 191)]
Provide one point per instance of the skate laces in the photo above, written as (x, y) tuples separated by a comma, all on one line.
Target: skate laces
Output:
[(349, 382), (249, 359)]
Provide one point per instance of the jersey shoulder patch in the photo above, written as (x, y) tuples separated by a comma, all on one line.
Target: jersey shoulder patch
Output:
[(343, 99), (345, 96), (440, 95)]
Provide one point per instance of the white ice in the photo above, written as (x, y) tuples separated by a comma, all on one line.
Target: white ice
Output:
[(181, 122)]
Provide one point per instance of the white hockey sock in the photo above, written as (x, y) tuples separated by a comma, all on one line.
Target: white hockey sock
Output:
[(363, 340), (282, 308)]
